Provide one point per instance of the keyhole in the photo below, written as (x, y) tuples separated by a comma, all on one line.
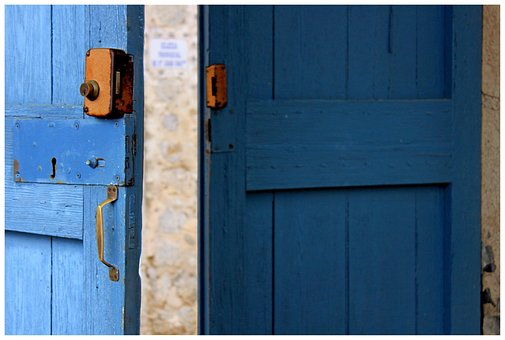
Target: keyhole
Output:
[(53, 162)]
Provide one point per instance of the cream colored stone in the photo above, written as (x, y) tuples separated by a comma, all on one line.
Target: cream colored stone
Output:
[(170, 179), (490, 211)]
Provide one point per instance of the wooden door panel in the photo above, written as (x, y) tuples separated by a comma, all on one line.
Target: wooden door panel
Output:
[(345, 52), (45, 53), (340, 192)]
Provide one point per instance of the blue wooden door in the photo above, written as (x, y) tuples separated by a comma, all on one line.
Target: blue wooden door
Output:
[(54, 282), (340, 190)]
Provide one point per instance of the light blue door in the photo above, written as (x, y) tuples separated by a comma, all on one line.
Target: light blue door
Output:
[(54, 281), (341, 183)]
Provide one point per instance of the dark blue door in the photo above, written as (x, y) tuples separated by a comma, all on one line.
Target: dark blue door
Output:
[(54, 281), (341, 183)]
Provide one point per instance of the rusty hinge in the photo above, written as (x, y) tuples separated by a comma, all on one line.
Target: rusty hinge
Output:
[(216, 86)]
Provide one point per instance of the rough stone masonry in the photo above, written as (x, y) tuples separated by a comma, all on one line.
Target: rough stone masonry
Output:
[(169, 248)]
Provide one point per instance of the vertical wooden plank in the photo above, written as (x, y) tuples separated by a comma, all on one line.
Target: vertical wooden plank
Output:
[(203, 176), (310, 262), (258, 230), (119, 27), (258, 250), (225, 294), (69, 45), (27, 284), (310, 59), (260, 36), (108, 26), (133, 204), (368, 46), (105, 298), (382, 261), (465, 196), (68, 307), (431, 47), (288, 60), (402, 52), (431, 266), (28, 55)]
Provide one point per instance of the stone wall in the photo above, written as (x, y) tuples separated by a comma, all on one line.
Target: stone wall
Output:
[(491, 169), (169, 272), (169, 247)]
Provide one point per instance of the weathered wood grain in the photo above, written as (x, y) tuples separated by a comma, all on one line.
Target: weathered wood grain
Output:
[(70, 41), (310, 262), (67, 285), (432, 264), (303, 50), (28, 55), (27, 284), (464, 207), (224, 297), (258, 266), (382, 261)]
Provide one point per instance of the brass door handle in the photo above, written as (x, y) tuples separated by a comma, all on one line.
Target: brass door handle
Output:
[(111, 197)]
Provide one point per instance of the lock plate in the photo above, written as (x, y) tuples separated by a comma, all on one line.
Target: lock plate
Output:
[(108, 83), (67, 151)]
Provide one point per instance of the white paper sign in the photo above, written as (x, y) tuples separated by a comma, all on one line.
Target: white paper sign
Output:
[(167, 53)]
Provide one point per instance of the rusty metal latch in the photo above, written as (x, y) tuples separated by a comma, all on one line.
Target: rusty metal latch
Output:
[(216, 86), (108, 85)]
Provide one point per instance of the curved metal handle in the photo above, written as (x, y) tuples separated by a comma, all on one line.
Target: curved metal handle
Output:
[(111, 197)]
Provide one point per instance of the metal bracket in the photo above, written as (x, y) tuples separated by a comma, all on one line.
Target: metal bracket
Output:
[(216, 86)]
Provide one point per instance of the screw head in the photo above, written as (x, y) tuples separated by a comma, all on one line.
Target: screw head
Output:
[(78, 175)]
